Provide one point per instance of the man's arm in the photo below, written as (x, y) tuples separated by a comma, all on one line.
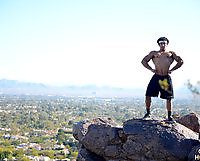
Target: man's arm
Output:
[(178, 60), (146, 59)]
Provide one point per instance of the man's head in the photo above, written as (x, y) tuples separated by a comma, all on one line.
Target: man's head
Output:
[(163, 40)]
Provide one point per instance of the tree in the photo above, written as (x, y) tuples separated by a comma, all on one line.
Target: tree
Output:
[(15, 142), (34, 152), (4, 154), (195, 89), (49, 153), (61, 137), (18, 153), (70, 122), (24, 159), (6, 143), (73, 155)]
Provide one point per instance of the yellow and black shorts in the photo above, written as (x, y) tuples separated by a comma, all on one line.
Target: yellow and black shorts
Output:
[(162, 84)]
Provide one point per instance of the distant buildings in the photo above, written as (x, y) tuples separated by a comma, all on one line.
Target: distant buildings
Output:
[(44, 158)]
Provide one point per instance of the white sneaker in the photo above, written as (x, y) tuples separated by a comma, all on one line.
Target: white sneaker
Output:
[(147, 116)]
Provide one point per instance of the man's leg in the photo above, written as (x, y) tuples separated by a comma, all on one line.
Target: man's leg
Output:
[(148, 107), (148, 103), (169, 109)]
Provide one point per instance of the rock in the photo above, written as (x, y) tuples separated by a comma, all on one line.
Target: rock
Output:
[(158, 142), (86, 155), (194, 154), (99, 136), (81, 128), (191, 121), (137, 140)]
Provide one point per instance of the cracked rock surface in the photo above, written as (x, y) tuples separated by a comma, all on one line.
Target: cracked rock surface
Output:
[(101, 139)]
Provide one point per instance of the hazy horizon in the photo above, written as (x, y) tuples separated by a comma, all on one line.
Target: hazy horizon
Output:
[(84, 85)]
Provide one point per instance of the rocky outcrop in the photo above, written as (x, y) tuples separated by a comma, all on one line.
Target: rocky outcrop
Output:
[(194, 155), (191, 121), (101, 139)]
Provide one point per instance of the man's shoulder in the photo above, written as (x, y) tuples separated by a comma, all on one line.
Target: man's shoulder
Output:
[(171, 52), (153, 52)]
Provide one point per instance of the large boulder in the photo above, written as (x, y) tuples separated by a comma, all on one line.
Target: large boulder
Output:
[(194, 154), (86, 155), (191, 121), (80, 129), (158, 140), (137, 140)]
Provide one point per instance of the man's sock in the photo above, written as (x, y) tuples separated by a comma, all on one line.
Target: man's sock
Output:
[(148, 111), (169, 114)]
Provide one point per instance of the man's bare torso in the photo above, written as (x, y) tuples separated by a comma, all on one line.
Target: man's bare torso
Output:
[(162, 62)]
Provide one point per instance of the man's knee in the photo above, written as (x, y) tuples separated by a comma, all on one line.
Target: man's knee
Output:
[(169, 100), (148, 97)]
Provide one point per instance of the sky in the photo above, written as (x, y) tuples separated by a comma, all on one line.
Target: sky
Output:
[(90, 42)]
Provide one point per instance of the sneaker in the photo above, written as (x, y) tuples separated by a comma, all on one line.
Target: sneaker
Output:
[(147, 116), (171, 119)]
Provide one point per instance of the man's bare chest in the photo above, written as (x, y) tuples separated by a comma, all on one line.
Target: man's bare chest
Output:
[(162, 58)]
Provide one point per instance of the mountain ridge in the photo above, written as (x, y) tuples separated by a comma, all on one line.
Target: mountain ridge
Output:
[(22, 87), (30, 88)]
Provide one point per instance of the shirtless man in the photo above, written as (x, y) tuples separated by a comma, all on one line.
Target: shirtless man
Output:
[(161, 80)]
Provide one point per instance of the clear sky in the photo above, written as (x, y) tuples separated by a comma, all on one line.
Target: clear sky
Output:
[(81, 42)]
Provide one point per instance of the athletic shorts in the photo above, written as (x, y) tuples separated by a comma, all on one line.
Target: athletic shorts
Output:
[(162, 84)]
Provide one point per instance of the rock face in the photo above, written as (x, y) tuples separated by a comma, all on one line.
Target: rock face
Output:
[(194, 154), (154, 140), (191, 121)]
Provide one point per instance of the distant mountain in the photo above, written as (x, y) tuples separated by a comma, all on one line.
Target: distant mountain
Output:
[(18, 87), (4, 83)]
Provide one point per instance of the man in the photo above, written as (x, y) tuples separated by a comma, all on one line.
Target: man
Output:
[(161, 80)]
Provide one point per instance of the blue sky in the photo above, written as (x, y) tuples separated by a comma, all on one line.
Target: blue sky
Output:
[(83, 42)]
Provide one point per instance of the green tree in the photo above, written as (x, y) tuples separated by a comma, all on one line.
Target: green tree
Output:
[(6, 143), (70, 122), (15, 142), (24, 159), (195, 89), (61, 137), (60, 156), (18, 153), (33, 152), (5, 154), (73, 155), (49, 153), (2, 156)]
